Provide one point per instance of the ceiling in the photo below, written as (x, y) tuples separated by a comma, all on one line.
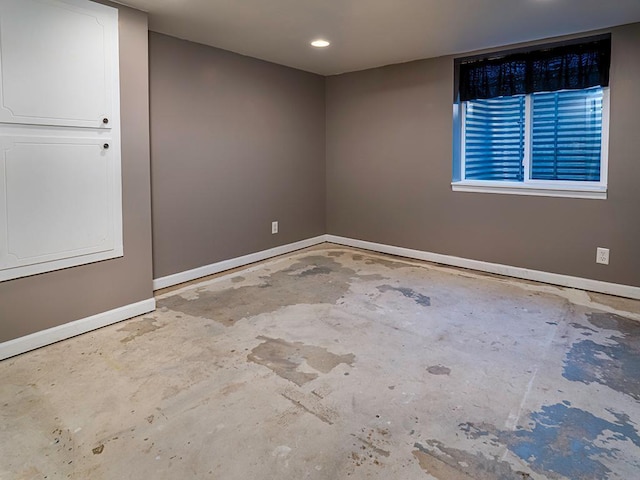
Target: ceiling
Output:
[(371, 33)]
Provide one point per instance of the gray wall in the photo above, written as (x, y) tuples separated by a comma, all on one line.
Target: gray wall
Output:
[(389, 165), (42, 301), (236, 143)]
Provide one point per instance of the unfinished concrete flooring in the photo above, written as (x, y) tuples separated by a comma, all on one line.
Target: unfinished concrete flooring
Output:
[(331, 364)]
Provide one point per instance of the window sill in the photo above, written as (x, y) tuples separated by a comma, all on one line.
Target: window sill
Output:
[(538, 189)]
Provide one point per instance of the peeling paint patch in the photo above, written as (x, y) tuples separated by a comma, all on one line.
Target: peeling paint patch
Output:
[(439, 370), (562, 441), (446, 463), (138, 328), (582, 327), (611, 321), (315, 271), (419, 298), (319, 279), (285, 358), (615, 364)]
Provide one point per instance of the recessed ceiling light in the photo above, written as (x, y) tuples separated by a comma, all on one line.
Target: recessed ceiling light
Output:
[(320, 43)]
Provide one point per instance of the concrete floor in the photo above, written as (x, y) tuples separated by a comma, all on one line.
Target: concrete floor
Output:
[(333, 363)]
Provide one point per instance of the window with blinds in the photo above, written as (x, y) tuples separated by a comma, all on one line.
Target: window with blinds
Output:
[(564, 141), (566, 135), (494, 138), (534, 122)]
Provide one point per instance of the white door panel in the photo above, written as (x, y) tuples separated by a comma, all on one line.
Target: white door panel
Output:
[(58, 199), (56, 63)]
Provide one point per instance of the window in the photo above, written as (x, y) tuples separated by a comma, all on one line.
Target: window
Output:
[(534, 123)]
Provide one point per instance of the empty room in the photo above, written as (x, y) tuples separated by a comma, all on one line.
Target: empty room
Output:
[(320, 240)]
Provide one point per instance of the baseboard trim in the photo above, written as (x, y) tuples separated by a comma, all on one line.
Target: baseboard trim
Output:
[(187, 276), (77, 327), (580, 283)]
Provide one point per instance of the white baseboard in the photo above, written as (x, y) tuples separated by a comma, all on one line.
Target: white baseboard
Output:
[(627, 291), (218, 267), (580, 283), (71, 329)]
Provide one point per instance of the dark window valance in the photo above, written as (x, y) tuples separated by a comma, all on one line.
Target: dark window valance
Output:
[(567, 67)]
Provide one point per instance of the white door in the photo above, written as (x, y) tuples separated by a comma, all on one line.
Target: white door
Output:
[(60, 185)]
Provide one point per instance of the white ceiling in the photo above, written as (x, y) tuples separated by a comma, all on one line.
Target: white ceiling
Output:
[(371, 33)]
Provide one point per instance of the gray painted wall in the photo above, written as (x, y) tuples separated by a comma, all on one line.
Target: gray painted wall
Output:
[(38, 302), (236, 143), (389, 165)]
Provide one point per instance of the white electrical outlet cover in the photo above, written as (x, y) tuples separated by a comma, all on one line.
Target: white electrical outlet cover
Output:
[(602, 256)]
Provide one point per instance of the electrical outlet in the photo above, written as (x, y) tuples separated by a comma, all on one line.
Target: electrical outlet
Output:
[(274, 228), (602, 255)]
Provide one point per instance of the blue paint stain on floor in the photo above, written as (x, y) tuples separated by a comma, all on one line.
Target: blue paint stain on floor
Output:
[(615, 364), (562, 440)]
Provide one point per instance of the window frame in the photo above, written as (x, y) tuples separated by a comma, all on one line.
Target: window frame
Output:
[(549, 188)]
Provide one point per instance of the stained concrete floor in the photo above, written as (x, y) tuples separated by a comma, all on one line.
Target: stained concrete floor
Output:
[(333, 363)]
